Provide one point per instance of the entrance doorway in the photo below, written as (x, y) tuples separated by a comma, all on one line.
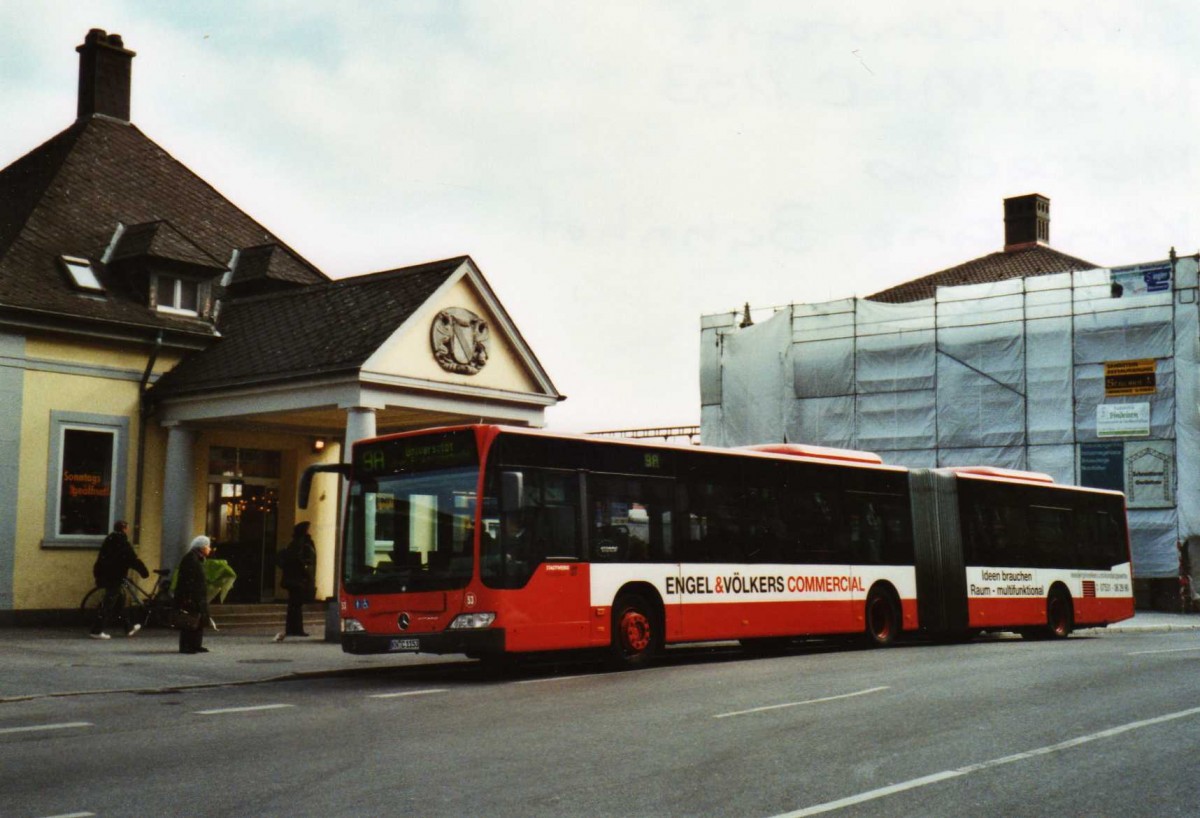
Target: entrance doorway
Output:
[(243, 518)]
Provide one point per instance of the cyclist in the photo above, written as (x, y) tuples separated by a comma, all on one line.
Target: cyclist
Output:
[(114, 561)]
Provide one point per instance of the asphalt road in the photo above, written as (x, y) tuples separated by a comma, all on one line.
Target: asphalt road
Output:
[(1098, 726)]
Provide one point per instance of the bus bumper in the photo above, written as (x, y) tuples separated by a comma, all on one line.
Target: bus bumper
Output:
[(477, 642)]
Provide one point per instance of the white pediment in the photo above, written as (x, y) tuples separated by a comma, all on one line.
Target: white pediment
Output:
[(412, 352)]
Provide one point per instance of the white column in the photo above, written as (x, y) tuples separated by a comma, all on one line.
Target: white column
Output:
[(360, 425), (178, 494)]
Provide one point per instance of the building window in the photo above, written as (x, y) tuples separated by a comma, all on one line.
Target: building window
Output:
[(82, 274), (85, 484), (178, 295), (85, 487)]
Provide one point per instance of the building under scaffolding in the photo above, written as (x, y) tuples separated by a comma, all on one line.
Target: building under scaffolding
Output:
[(1089, 376)]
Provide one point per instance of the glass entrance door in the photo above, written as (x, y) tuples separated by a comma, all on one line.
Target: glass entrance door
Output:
[(243, 519)]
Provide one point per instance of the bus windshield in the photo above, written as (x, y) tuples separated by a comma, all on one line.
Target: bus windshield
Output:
[(411, 531)]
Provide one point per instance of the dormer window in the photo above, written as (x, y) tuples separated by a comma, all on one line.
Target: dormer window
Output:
[(176, 295), (82, 274)]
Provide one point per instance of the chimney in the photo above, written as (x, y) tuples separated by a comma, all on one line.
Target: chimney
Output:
[(1026, 222), (104, 69)]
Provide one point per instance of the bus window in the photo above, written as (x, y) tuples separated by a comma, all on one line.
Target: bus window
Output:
[(766, 525), (1051, 537), (713, 530), (879, 528), (410, 530), (521, 532), (819, 536), (630, 519), (995, 527)]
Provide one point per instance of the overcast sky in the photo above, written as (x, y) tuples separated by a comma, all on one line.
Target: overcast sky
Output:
[(618, 169)]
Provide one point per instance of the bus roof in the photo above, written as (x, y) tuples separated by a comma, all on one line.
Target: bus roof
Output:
[(1003, 474), (849, 457), (817, 452)]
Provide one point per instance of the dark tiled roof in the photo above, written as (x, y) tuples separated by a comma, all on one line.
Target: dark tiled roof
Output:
[(67, 196), (262, 269), (317, 330), (160, 240), (1023, 263)]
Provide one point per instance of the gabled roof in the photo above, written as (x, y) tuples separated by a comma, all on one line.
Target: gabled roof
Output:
[(1026, 262), (306, 332), (68, 196)]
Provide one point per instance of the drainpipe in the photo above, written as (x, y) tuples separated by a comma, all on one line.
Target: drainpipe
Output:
[(144, 411)]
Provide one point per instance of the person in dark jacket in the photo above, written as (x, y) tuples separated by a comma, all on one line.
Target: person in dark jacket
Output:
[(298, 564), (191, 594), (115, 560)]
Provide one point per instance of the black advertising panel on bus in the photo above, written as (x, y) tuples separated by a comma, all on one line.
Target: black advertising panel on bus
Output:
[(420, 453)]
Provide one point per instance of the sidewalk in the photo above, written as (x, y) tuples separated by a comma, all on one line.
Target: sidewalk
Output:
[(40, 662)]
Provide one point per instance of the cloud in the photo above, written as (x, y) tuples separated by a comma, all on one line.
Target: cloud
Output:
[(619, 170)]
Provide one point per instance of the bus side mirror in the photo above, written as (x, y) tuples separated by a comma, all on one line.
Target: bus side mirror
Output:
[(306, 479), (512, 491)]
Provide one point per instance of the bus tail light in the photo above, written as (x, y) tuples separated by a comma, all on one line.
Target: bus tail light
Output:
[(472, 621)]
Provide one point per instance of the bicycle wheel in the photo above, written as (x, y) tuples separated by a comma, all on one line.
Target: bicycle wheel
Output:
[(158, 613), (89, 608)]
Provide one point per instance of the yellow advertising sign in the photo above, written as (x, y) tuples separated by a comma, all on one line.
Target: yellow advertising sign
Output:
[(1130, 377)]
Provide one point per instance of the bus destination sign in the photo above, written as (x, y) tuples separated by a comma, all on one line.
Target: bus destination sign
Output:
[(416, 454)]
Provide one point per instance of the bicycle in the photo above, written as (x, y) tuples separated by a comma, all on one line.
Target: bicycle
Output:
[(141, 607)]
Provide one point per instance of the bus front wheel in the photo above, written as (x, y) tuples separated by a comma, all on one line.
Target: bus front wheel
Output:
[(636, 632), (883, 618)]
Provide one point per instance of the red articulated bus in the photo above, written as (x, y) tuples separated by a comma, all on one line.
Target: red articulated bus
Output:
[(490, 541)]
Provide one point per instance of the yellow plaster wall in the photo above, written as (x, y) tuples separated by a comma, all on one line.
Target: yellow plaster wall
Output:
[(57, 577), (129, 357), (409, 353)]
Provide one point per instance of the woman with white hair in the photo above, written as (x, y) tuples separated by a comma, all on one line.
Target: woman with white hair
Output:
[(191, 596)]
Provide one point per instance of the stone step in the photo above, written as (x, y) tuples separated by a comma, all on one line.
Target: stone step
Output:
[(266, 617)]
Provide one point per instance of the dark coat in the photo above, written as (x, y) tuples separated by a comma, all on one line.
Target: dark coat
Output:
[(297, 563), (191, 589), (115, 560)]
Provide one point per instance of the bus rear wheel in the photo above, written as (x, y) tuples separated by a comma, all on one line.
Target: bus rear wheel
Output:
[(1060, 620), (883, 618), (636, 633)]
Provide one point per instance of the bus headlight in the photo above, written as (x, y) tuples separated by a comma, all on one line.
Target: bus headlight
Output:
[(472, 621), (352, 626)]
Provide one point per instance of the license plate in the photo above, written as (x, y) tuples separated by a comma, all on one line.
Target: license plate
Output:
[(404, 644)]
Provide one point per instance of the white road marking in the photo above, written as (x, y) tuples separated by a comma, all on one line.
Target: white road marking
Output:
[(407, 693), (925, 781), (222, 710), (72, 815), (799, 704), (36, 727), (1164, 650)]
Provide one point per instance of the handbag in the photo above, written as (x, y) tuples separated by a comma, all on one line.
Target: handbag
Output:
[(185, 620)]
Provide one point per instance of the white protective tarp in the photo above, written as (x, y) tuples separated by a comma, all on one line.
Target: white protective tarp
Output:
[(1008, 374)]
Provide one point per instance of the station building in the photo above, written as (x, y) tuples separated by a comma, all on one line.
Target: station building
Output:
[(167, 360), (1026, 358)]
